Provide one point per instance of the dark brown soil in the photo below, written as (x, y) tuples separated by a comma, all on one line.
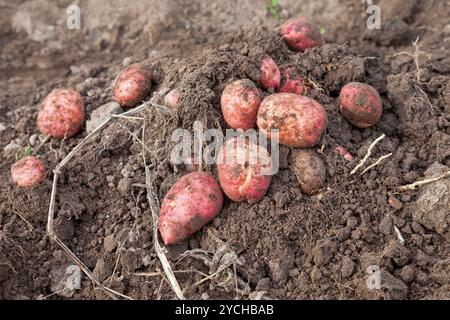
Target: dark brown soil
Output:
[(289, 245)]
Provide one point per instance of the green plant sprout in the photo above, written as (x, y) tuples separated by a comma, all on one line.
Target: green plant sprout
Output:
[(24, 152), (273, 8)]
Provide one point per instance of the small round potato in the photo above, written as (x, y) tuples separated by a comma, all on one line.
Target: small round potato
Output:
[(240, 102), (360, 104), (300, 34), (193, 201), (309, 169), (61, 114), (244, 170), (300, 120), (173, 98), (28, 172), (133, 85)]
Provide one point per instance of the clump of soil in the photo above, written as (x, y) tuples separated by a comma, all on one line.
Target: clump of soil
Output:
[(289, 245)]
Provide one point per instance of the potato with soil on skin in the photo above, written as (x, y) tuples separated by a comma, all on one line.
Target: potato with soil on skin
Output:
[(299, 119), (193, 201), (240, 101), (173, 98), (300, 34), (245, 170), (270, 74), (292, 82), (28, 172), (133, 85), (61, 114), (309, 169), (360, 104)]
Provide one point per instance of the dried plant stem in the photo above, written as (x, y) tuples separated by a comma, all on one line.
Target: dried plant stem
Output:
[(24, 220), (369, 152), (51, 211), (153, 203), (35, 151)]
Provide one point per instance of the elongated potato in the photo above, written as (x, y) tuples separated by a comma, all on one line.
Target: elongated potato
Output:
[(300, 120), (240, 102), (61, 114), (193, 201), (244, 170)]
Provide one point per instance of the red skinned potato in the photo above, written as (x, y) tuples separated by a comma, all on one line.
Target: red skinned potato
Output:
[(360, 104), (309, 169), (173, 98), (300, 34), (240, 102), (193, 201), (28, 172), (270, 74), (299, 119), (244, 170), (292, 82), (133, 85), (61, 114)]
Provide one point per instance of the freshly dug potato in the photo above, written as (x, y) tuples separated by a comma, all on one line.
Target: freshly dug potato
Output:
[(133, 85), (28, 172), (292, 82), (270, 74), (240, 102), (61, 114), (299, 119), (300, 34), (173, 98), (309, 169), (360, 104), (243, 170), (193, 201)]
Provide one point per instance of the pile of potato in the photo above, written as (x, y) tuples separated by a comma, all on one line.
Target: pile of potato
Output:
[(196, 198)]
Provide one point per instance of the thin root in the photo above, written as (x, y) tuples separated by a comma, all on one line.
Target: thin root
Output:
[(377, 162), (369, 152), (412, 186), (24, 220)]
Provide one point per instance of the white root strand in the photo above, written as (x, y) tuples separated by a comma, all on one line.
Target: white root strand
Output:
[(412, 186), (369, 152), (376, 162)]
